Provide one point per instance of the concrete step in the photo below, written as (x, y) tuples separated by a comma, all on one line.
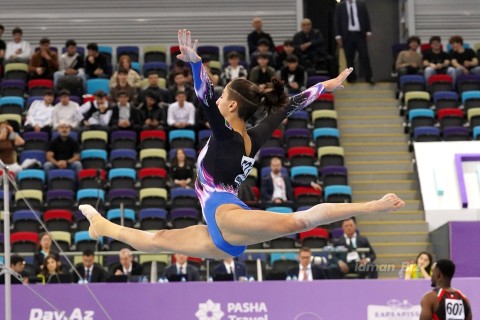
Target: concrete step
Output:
[(374, 93), (373, 137), (367, 86), (393, 226), (375, 146), (365, 101), (386, 237), (381, 165), (382, 175), (385, 185), (349, 110), (378, 155), (401, 215), (370, 120), (368, 195), (364, 128), (399, 247)]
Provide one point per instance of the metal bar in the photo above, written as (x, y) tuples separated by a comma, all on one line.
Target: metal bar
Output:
[(6, 232)]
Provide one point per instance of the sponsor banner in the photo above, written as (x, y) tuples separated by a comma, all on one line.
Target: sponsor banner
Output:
[(318, 300)]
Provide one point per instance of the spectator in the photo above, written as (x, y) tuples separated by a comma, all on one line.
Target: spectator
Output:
[(306, 271), (40, 114), (63, 151), (133, 78), (181, 114), (44, 62), (97, 113), (257, 34), (161, 95), (151, 115), (181, 171), (127, 266), (352, 32), (263, 73), (45, 248), (3, 46), (17, 264), (409, 61), (234, 70), (70, 64), (437, 61), (124, 115), (50, 269), (18, 50), (182, 269), (293, 75), (122, 85), (181, 84), (9, 140), (422, 268), (465, 61), (235, 268), (288, 50), (90, 271), (180, 67), (214, 78), (66, 111), (361, 264), (262, 49), (96, 65)]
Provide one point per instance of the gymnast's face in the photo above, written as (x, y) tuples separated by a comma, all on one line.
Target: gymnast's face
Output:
[(224, 103)]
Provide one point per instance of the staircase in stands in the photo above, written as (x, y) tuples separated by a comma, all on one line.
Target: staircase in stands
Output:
[(378, 160)]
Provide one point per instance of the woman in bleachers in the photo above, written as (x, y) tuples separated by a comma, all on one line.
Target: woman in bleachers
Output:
[(133, 78), (225, 162), (44, 250), (422, 268), (181, 172), (9, 141), (50, 269)]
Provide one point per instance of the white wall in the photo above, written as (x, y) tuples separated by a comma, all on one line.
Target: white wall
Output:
[(440, 209)]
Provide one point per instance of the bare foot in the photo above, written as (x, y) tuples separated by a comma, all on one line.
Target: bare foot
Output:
[(390, 202), (93, 216)]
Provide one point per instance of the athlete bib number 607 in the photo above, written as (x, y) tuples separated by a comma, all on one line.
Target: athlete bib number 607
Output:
[(454, 309)]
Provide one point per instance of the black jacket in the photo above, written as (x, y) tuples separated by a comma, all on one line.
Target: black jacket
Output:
[(137, 269), (317, 272), (98, 274), (192, 272), (341, 17)]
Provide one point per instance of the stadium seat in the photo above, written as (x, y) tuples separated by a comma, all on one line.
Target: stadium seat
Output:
[(450, 118), (445, 100), (72, 134), (123, 158), (471, 99), (152, 177), (158, 67), (307, 196), (275, 140), (33, 179), (26, 221), (315, 238), (252, 178), (440, 82), (39, 155), (93, 197), (115, 216), (267, 170), (325, 101), (123, 139), (152, 139), (184, 217), (426, 134), (297, 120), (24, 241), (94, 85), (34, 198), (455, 134), (181, 139), (241, 50), (161, 260), (476, 133), (417, 100), (80, 51), (191, 155), (13, 88), (473, 116), (298, 137), (60, 199), (58, 219), (203, 136), (174, 51), (122, 178), (75, 85), (209, 52), (301, 156), (93, 159), (334, 175), (183, 198), (94, 139), (284, 210), (338, 194), (326, 137), (61, 179), (107, 51), (13, 105), (412, 82), (39, 86), (467, 82), (132, 51), (215, 67), (91, 178), (285, 242), (419, 118), (266, 154), (154, 54), (153, 158), (330, 156), (15, 120), (35, 140), (122, 197), (153, 198), (63, 238), (313, 80), (324, 118), (152, 219), (30, 100), (83, 241), (16, 71)]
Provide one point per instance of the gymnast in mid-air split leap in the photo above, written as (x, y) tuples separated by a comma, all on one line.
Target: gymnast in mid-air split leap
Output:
[(225, 162)]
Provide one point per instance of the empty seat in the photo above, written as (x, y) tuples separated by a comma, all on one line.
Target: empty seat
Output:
[(181, 139), (445, 100), (299, 137), (58, 219), (34, 198), (154, 53), (324, 118), (324, 137), (313, 80), (61, 179), (93, 158), (338, 194), (16, 71), (63, 238), (91, 178), (330, 156), (38, 87), (26, 220), (153, 177), (152, 219), (123, 139), (152, 139), (306, 196), (285, 210), (298, 119), (473, 116), (468, 82), (38, 155), (184, 217), (122, 178), (94, 139), (183, 198), (35, 140), (419, 118), (93, 197), (275, 140), (13, 105), (31, 179), (24, 241), (123, 158), (122, 197), (426, 134), (440, 82), (83, 241), (153, 198), (301, 156), (115, 216), (13, 88), (266, 154), (471, 99), (153, 158), (417, 100), (450, 118), (209, 52), (412, 82), (456, 134), (304, 175), (315, 238), (60, 199), (334, 175), (325, 101)]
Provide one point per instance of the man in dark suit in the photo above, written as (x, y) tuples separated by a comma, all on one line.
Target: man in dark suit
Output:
[(360, 263), (182, 268), (17, 264), (352, 32), (230, 266), (90, 271), (306, 271), (127, 266), (258, 34)]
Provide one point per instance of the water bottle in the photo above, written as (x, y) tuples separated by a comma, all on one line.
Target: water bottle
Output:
[(145, 279), (251, 279), (183, 279), (294, 278), (401, 273), (289, 278), (210, 279)]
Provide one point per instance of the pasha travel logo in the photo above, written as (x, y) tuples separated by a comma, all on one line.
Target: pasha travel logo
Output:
[(394, 310), (211, 310), (76, 314)]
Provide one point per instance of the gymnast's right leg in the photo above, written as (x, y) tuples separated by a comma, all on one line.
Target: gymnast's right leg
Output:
[(192, 241)]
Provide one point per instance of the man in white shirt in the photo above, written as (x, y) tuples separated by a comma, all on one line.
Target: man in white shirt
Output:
[(306, 271), (70, 63), (181, 114), (127, 266), (66, 111), (18, 50), (40, 114)]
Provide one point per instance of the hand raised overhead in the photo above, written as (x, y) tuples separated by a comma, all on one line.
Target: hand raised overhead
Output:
[(188, 51)]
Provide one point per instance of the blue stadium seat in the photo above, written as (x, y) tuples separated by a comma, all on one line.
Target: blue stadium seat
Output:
[(476, 133), (26, 220), (304, 174), (98, 84), (420, 118), (471, 99), (280, 209), (31, 179), (152, 219), (159, 67), (445, 99), (61, 179), (39, 155), (136, 67), (123, 158), (91, 196), (93, 158), (114, 215), (83, 241), (324, 137), (181, 139), (14, 105), (412, 82), (241, 50), (132, 51), (122, 178), (125, 197), (338, 194), (183, 198), (107, 52)]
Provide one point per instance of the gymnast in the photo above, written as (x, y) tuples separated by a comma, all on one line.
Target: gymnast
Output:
[(225, 162)]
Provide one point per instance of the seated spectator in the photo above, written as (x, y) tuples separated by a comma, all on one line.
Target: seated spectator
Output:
[(63, 151), (124, 115), (18, 50), (437, 61), (70, 64), (133, 78), (127, 266), (214, 78), (50, 269), (181, 84), (45, 248), (288, 49), (179, 67), (362, 263), (44, 62), (306, 271), (277, 189), (182, 269), (409, 61), (162, 95), (66, 111), (263, 73), (422, 268), (122, 85), (262, 49), (151, 114), (234, 70), (89, 270), (181, 172), (40, 114), (96, 64), (465, 61), (97, 113), (235, 268), (3, 46), (17, 264), (257, 34), (293, 75), (181, 114), (9, 140), (310, 45)]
